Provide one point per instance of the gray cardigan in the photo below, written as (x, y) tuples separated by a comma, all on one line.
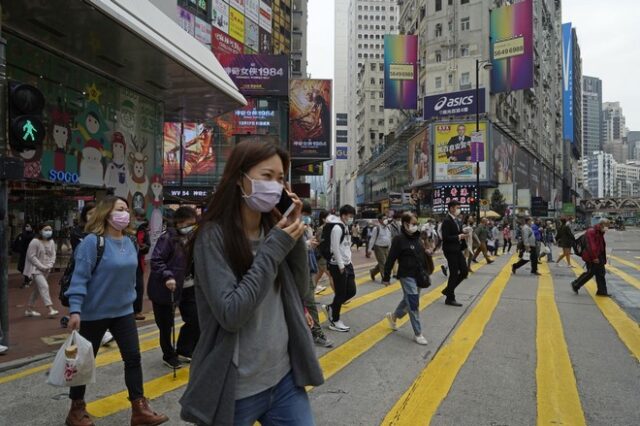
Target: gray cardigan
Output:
[(226, 304)]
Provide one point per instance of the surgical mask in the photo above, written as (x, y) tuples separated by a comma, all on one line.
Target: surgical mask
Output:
[(350, 221), (186, 230), (412, 229), (28, 229), (47, 234), (456, 212), (265, 195), (119, 220), (306, 220)]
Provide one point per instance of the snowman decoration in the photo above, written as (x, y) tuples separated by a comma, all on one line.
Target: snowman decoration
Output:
[(116, 175), (91, 169)]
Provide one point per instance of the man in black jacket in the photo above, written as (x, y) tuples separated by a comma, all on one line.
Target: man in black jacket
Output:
[(453, 244)]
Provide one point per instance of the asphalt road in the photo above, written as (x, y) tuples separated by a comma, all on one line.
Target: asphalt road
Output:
[(522, 350)]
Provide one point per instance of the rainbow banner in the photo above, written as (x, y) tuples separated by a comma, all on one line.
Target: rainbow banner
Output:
[(512, 47), (400, 71)]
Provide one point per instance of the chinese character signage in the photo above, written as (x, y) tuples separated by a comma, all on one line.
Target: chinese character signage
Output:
[(400, 71), (220, 15), (266, 16), (454, 104), (258, 75), (251, 35), (187, 21), (236, 24), (310, 119), (454, 159), (203, 31), (444, 195), (512, 47), (238, 4), (264, 41), (567, 83), (221, 43), (252, 9), (188, 194)]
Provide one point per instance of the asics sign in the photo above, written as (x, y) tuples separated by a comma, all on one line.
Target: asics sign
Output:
[(453, 104)]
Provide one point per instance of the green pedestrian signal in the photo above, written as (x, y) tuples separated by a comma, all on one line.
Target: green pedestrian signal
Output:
[(26, 104), (28, 130)]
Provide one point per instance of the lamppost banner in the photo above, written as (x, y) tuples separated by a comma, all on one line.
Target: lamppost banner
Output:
[(567, 83), (454, 159)]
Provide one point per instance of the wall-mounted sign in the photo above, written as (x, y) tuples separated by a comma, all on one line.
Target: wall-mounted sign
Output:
[(454, 104), (258, 75), (63, 177), (190, 194), (221, 43), (342, 152), (443, 195)]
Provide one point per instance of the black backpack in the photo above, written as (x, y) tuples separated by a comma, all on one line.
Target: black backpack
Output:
[(65, 281), (580, 244), (325, 245)]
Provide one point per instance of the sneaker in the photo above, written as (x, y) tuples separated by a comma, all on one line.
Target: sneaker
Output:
[(339, 326), (52, 313), (172, 363), (327, 309), (445, 270), (320, 288), (420, 340), (322, 341), (32, 313), (3, 349), (392, 321), (106, 339), (184, 359)]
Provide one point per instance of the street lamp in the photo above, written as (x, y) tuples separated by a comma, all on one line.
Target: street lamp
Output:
[(487, 65)]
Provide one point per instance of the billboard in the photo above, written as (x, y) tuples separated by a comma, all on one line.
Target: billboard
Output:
[(258, 75), (567, 83), (419, 162), (236, 24), (203, 31), (400, 71), (190, 145), (220, 15), (221, 43), (256, 118), (251, 35), (264, 41), (252, 9), (342, 152), (454, 104), (310, 119), (512, 47), (238, 4), (453, 156), (443, 195), (266, 16), (187, 21), (504, 154)]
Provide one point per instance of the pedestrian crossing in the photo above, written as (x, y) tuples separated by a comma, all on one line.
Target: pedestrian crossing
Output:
[(418, 392)]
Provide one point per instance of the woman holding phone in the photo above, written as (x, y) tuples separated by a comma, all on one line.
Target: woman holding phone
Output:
[(255, 354)]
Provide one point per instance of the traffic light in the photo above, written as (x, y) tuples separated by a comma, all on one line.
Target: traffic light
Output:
[(26, 130), (472, 201)]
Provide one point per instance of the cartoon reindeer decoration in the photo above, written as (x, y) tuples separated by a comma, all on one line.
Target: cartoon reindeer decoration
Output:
[(138, 181)]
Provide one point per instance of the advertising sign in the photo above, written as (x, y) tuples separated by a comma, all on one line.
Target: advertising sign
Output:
[(203, 31), (419, 163), (266, 16), (395, 198), (454, 104), (258, 74), (453, 154), (567, 83), (313, 169), (195, 143), (238, 4), (251, 34), (252, 9), (503, 152), (236, 24), (221, 43), (310, 119), (192, 194), (264, 41), (186, 20), (539, 207), (400, 71), (342, 153), (360, 195), (512, 47), (442, 196), (220, 15)]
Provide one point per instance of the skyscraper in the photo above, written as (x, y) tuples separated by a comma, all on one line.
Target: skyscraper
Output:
[(591, 115)]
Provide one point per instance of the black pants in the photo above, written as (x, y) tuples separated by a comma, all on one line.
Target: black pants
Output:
[(593, 269), (457, 272), (190, 331), (345, 288), (504, 247), (534, 260), (125, 332), (137, 304)]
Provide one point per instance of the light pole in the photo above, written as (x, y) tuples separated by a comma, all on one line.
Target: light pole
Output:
[(487, 66)]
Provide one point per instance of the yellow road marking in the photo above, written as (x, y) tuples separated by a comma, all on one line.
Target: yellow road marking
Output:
[(626, 277), (105, 357), (557, 392), (625, 262), (421, 401), (627, 329)]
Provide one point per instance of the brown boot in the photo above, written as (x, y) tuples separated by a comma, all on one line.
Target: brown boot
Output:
[(143, 415), (78, 415)]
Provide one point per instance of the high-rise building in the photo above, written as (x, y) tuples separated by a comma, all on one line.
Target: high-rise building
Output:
[(299, 39), (591, 115), (633, 137), (613, 124), (599, 174), (627, 183)]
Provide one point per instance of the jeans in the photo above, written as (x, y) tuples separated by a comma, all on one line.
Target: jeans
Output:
[(597, 270), (285, 404), (345, 288), (507, 242), (381, 254), (190, 331), (410, 303), (41, 289), (125, 333)]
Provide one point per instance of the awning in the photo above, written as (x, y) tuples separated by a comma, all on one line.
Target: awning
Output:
[(134, 43)]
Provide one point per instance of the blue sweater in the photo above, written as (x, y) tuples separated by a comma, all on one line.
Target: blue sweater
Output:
[(110, 291)]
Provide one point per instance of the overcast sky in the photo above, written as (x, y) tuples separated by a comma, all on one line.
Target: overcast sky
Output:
[(608, 33)]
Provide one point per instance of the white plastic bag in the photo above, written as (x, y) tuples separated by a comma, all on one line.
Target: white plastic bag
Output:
[(526, 256), (75, 371), (544, 250)]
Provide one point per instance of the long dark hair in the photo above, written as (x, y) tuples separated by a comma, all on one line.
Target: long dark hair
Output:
[(224, 207)]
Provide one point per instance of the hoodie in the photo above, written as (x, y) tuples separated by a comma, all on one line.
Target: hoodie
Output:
[(340, 252)]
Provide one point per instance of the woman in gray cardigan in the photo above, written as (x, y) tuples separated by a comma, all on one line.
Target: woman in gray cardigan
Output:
[(255, 354)]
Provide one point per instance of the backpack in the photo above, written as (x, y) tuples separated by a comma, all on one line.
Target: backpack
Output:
[(65, 280), (580, 245), (325, 245)]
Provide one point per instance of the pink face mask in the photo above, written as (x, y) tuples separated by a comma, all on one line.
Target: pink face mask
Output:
[(119, 220)]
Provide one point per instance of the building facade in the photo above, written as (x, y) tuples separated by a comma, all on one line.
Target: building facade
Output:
[(592, 117), (299, 39), (599, 174), (614, 123)]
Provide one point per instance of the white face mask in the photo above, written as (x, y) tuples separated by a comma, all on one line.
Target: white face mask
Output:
[(456, 212), (47, 234), (412, 229), (349, 221), (186, 230), (265, 194)]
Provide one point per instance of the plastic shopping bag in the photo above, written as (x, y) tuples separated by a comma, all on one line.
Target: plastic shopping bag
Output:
[(74, 364), (526, 256)]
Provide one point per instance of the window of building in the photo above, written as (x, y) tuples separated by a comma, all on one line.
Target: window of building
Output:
[(373, 80), (438, 30), (464, 24), (391, 121), (438, 56), (383, 8), (366, 7), (372, 136), (381, 81), (341, 132), (360, 36), (438, 5), (366, 36), (377, 17), (359, 26), (373, 108), (464, 50), (450, 2), (391, 28), (366, 55), (381, 66), (366, 17), (384, 18), (377, 27), (381, 122), (380, 108), (438, 82), (391, 8), (360, 7), (450, 26), (359, 55), (451, 52), (296, 65), (373, 95), (359, 16), (450, 78), (464, 79), (393, 18), (464, 1), (380, 95), (378, 8), (359, 45), (373, 67)]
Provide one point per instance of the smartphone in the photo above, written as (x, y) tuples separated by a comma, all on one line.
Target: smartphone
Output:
[(285, 205)]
